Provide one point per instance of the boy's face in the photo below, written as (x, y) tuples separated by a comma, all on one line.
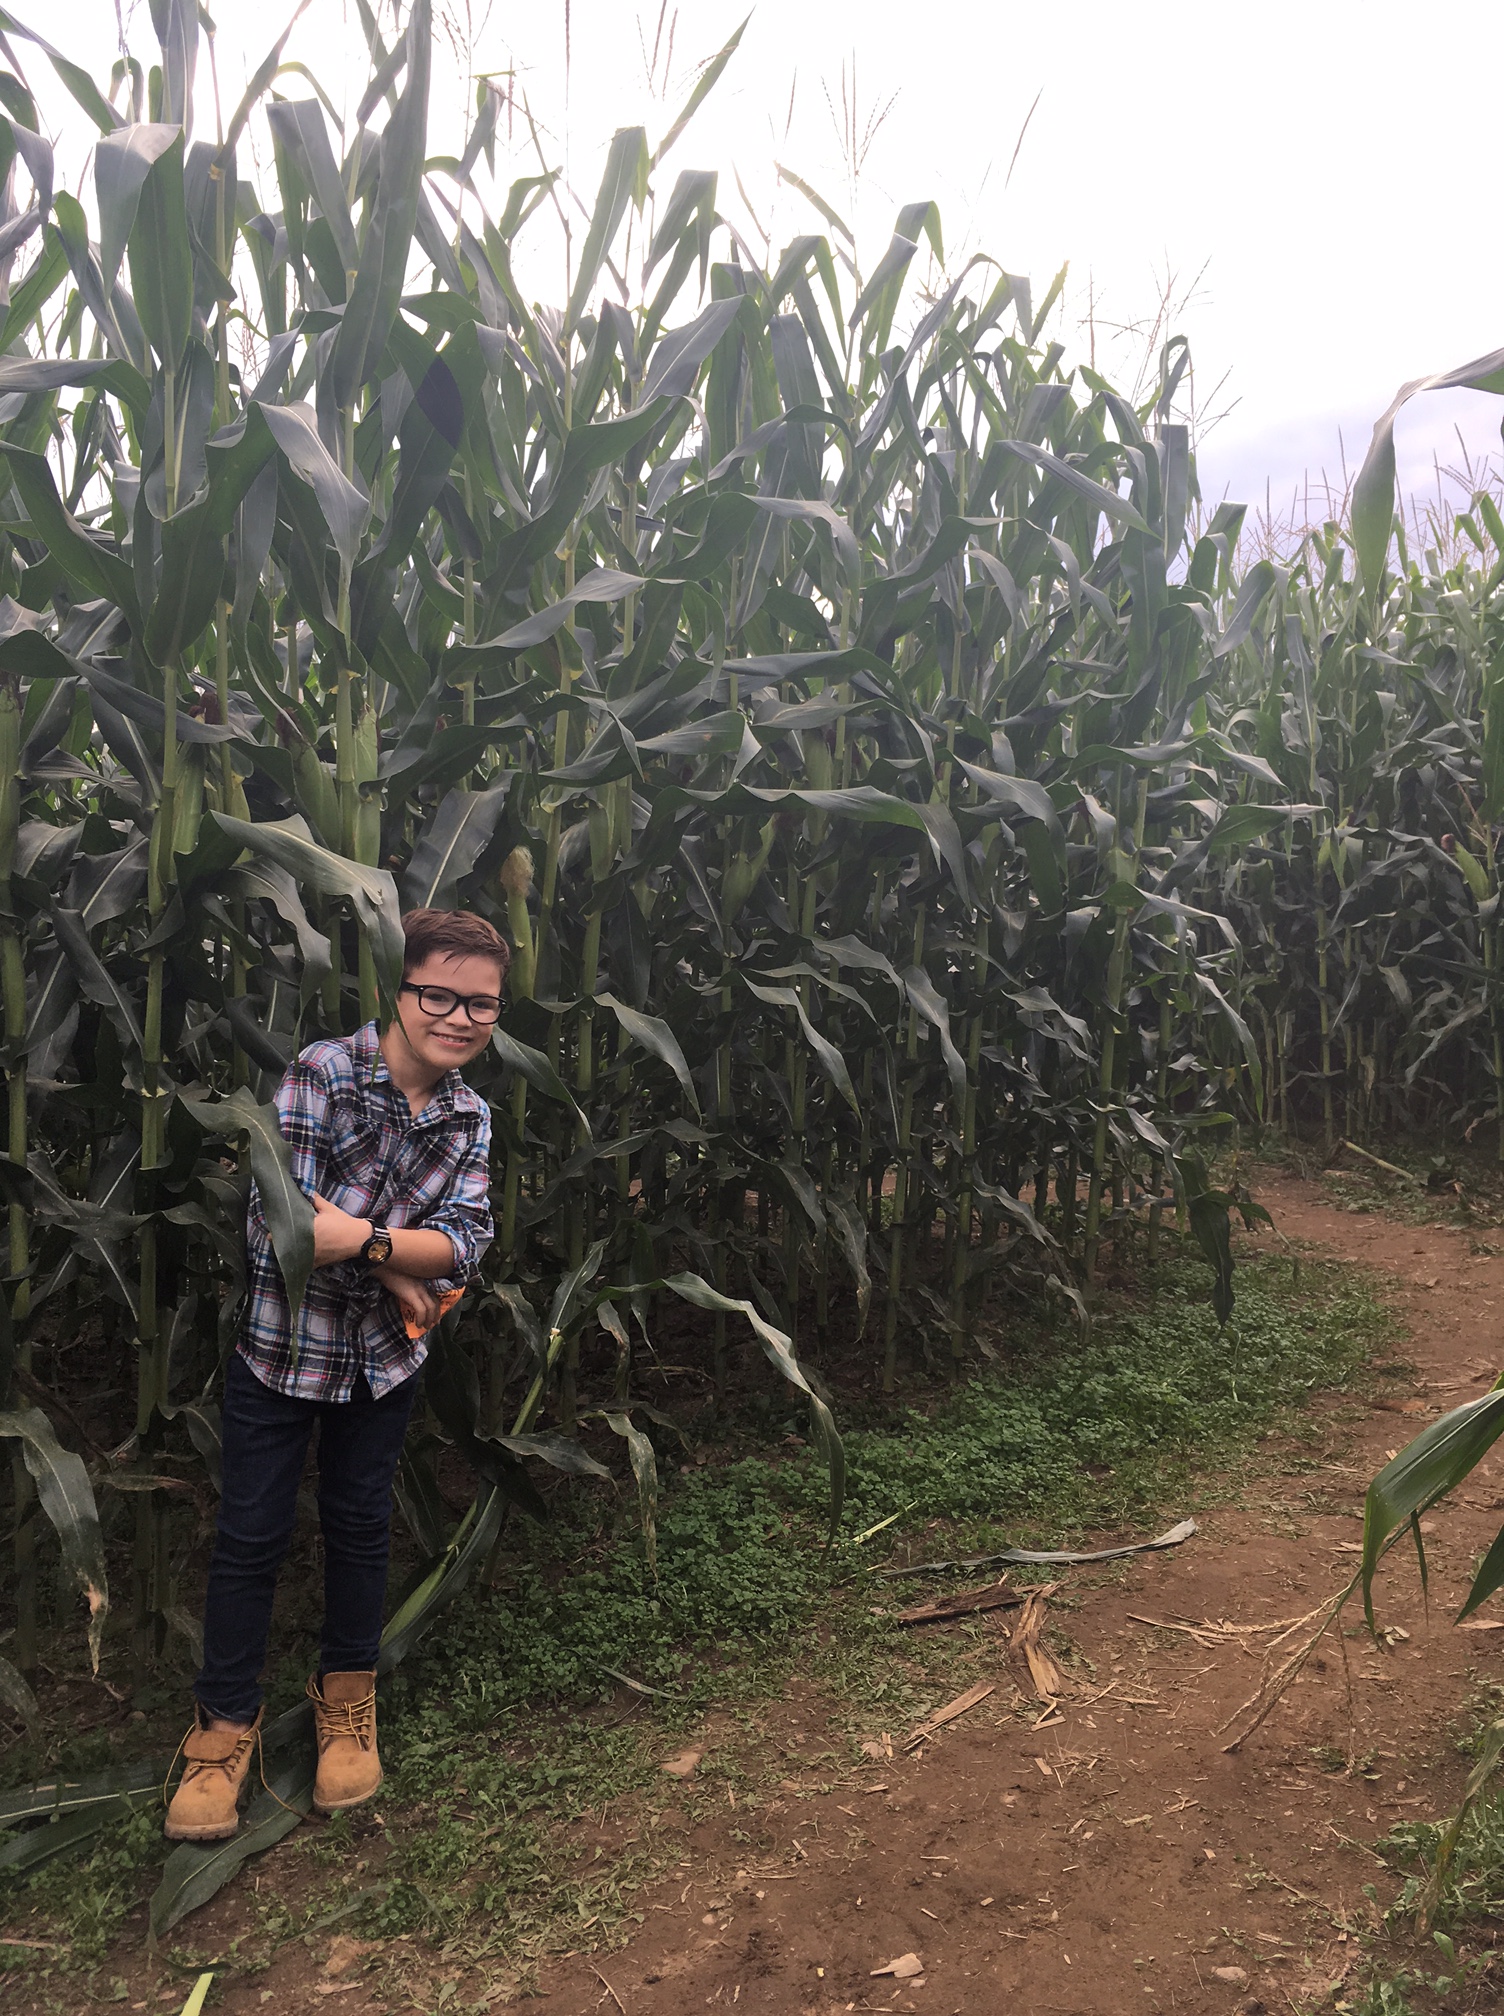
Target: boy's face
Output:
[(443, 1042)]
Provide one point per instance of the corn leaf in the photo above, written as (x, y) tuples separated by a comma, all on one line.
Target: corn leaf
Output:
[(1436, 1462), (195, 1872), (67, 1499), (289, 1213)]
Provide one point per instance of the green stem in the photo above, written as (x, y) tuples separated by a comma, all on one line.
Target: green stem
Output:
[(516, 880), (1121, 868), (1161, 1103), (229, 791), (901, 1184), (717, 1239), (961, 1255)]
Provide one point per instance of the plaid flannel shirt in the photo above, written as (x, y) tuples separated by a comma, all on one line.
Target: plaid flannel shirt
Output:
[(354, 1139)]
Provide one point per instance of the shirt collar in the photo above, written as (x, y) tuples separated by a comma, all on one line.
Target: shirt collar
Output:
[(365, 1048), (370, 1069)]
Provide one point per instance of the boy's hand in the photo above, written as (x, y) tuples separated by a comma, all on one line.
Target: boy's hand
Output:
[(336, 1235), (421, 1307)]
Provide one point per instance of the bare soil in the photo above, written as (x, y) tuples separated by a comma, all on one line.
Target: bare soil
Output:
[(1111, 1858)]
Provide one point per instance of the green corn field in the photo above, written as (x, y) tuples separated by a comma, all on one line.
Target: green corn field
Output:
[(931, 843)]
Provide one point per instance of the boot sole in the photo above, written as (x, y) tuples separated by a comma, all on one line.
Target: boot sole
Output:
[(202, 1833), (344, 1805)]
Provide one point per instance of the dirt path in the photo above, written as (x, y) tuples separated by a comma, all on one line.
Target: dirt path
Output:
[(1114, 1859)]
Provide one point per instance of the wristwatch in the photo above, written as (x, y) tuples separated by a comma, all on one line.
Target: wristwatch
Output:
[(378, 1248)]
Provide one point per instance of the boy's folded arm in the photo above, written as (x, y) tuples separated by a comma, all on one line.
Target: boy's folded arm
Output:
[(461, 1218), (422, 1252)]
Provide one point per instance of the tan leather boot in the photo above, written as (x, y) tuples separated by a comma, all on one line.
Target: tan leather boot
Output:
[(216, 1764), (344, 1720)]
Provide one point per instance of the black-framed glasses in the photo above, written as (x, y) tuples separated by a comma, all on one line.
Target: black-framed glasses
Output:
[(441, 1001)]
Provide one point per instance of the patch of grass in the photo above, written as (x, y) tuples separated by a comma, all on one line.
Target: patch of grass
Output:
[(1468, 1907), (1474, 1887), (1412, 1991), (81, 1904), (1382, 1998), (1078, 1435), (1063, 1438)]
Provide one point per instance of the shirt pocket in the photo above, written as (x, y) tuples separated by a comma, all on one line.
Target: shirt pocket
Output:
[(356, 1161), (425, 1168)]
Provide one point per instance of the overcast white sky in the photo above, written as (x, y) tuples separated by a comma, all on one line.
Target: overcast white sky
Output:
[(1311, 175)]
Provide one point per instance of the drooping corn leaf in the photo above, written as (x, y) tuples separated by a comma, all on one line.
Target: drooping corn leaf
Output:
[(67, 1499), (1430, 1466), (288, 1212)]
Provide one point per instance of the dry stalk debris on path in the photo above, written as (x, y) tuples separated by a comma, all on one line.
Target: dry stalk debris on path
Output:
[(609, 1989), (949, 1712), (1212, 1633), (1049, 1681), (999, 1595)]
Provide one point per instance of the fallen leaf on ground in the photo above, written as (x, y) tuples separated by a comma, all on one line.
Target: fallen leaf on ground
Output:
[(949, 1712), (904, 1968), (344, 1952), (1482, 1624), (1235, 1977), (682, 1766)]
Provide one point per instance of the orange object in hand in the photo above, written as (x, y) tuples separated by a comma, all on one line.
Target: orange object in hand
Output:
[(446, 1302)]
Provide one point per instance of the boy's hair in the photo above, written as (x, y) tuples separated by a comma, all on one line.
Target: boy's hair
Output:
[(452, 934)]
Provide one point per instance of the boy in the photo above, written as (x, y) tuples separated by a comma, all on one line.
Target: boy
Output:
[(393, 1148)]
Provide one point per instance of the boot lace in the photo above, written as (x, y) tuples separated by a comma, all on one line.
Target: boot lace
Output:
[(345, 1718)]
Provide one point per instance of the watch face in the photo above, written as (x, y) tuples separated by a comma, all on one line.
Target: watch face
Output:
[(379, 1248)]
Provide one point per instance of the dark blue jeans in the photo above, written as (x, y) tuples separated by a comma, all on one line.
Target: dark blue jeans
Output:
[(265, 1444)]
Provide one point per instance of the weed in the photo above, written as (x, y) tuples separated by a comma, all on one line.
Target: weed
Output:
[(1382, 1998), (1474, 1887), (1389, 1995), (82, 1905)]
